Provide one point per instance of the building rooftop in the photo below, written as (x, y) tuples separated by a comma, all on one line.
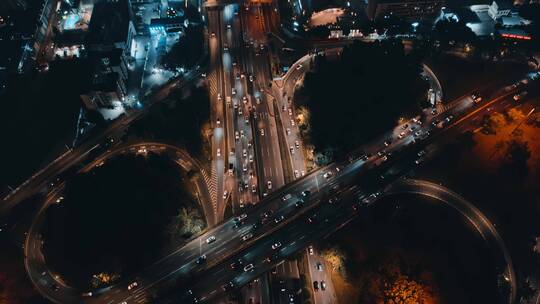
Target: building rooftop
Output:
[(109, 23)]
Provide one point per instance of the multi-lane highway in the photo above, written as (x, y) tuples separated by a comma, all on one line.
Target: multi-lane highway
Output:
[(278, 216), (254, 138)]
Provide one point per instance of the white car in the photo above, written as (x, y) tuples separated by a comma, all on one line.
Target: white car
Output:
[(276, 245), (244, 152), (247, 237), (218, 152), (262, 132), (288, 131), (236, 135), (269, 183), (248, 267), (310, 249), (298, 67), (225, 194), (133, 285), (210, 239), (327, 174)]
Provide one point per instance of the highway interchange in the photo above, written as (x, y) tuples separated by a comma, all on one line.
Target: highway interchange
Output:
[(252, 121)]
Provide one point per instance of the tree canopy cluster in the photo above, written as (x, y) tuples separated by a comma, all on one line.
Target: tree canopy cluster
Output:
[(115, 218), (179, 123), (361, 95)]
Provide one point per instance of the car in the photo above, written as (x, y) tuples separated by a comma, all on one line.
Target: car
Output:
[(327, 174), (288, 131), (298, 67), (276, 245), (419, 160), (290, 112), (297, 144), (299, 203), (323, 285), (417, 133), (250, 158), (241, 217), (434, 112), (311, 219), (387, 143), (218, 121), (296, 174), (292, 122), (248, 267), (244, 99), (211, 239), (332, 200), (201, 259), (233, 91), (291, 148), (286, 197), (381, 153), (401, 135), (520, 96), (421, 153), (269, 184), (278, 219), (250, 78), (261, 131), (240, 111), (316, 285), (310, 250), (237, 263), (244, 152), (230, 170), (87, 294), (405, 126), (133, 285), (247, 236), (213, 34), (218, 152), (236, 135), (244, 168), (476, 97), (319, 266), (253, 188), (306, 193), (225, 47), (228, 286), (54, 287), (225, 194)]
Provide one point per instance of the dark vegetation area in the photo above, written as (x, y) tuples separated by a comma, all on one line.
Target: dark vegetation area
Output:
[(116, 218), (460, 76), (508, 194), (179, 122), (39, 114), (361, 95), (420, 247), (187, 51)]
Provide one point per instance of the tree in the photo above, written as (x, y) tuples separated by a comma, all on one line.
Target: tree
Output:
[(360, 95), (448, 31), (515, 161)]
